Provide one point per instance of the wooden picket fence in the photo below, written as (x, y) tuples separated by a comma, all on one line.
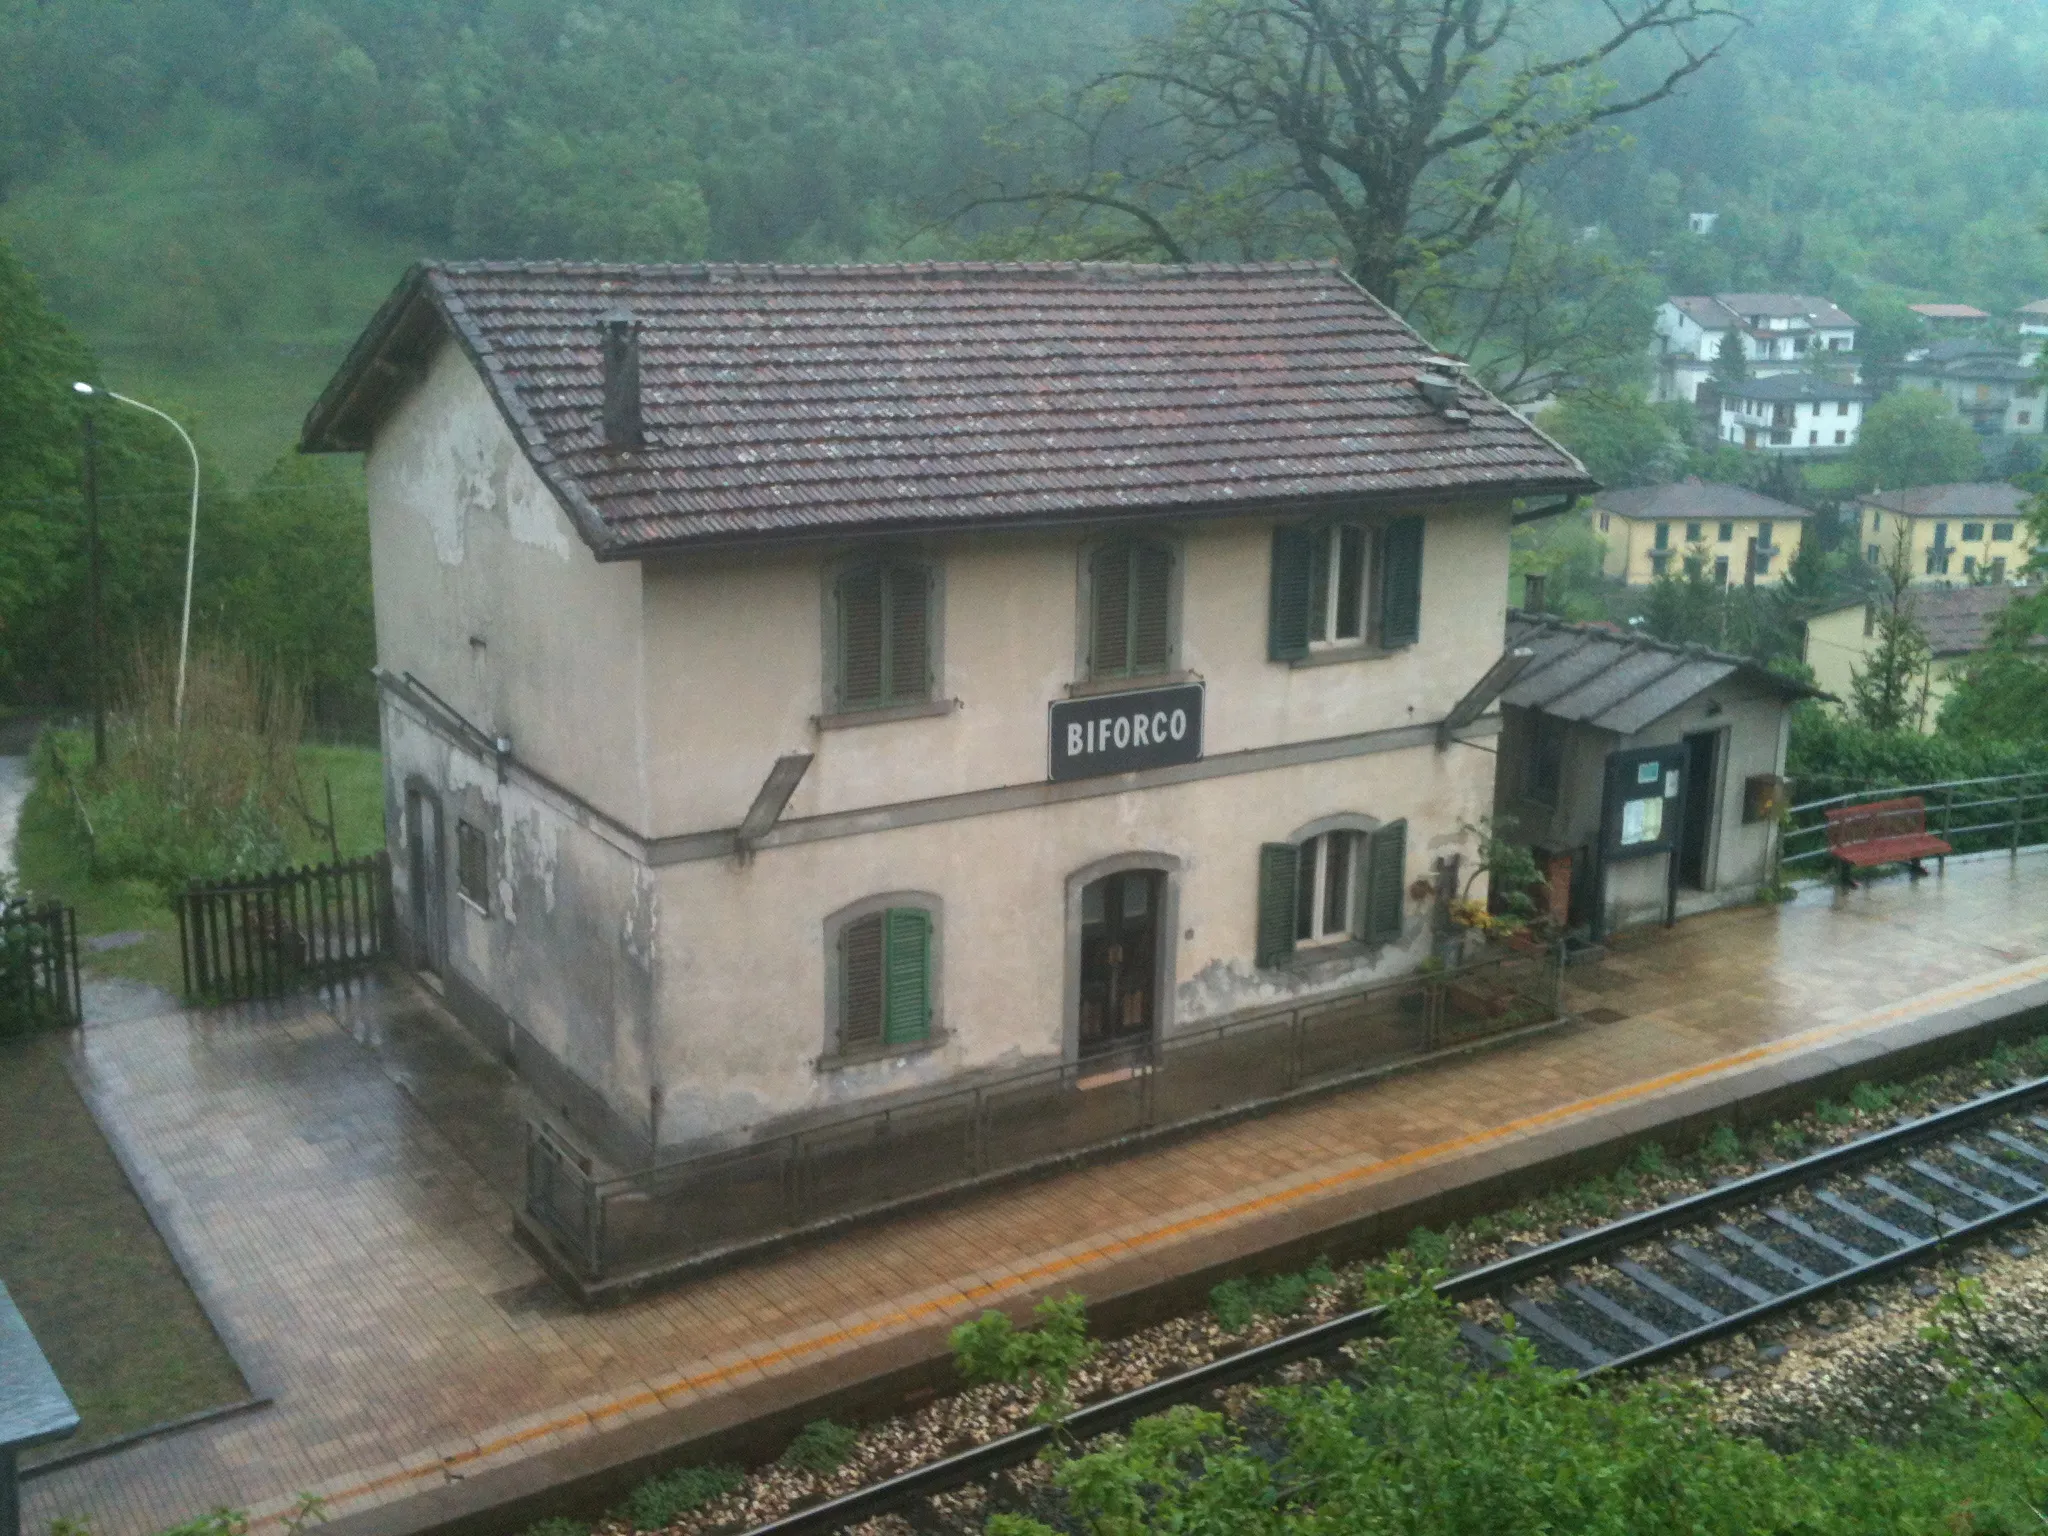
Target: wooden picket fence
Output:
[(38, 967), (263, 937)]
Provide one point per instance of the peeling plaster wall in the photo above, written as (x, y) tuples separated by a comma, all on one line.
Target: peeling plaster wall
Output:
[(747, 633), (742, 994), (468, 546)]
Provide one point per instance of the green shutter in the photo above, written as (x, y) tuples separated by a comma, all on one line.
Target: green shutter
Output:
[(1151, 604), (1386, 883), (1287, 609), (860, 983), (907, 967), (909, 658), (1109, 649), (1401, 584), (1279, 868)]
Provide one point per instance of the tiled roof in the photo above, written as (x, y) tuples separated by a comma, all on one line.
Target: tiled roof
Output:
[(1621, 682), (1697, 500), (1996, 500), (2038, 307), (1948, 311), (783, 401), (1959, 620), (1822, 313)]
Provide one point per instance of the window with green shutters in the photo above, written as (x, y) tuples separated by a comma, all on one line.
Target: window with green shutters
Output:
[(1130, 621), (1334, 886), (885, 982), (883, 613), (1344, 584)]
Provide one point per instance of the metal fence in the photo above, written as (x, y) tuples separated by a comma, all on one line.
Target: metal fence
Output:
[(2003, 814), (245, 939), (732, 1200), (38, 967)]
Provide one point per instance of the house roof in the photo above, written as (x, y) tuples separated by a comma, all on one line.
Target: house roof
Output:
[(1693, 499), (1959, 620), (788, 402), (1975, 368), (1621, 682), (1949, 311), (1781, 387), (1718, 311), (2038, 307), (1992, 501)]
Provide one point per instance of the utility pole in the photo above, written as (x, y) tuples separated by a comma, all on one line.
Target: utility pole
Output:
[(95, 631)]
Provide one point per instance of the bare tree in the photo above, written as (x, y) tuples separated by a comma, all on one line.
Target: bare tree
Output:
[(1393, 134)]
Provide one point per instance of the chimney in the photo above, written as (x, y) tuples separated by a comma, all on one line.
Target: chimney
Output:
[(1532, 592), (622, 424)]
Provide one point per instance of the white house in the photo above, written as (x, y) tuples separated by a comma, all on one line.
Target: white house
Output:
[(806, 686), (1778, 332), (1800, 414)]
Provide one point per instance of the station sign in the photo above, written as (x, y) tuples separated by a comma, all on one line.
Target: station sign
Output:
[(1123, 732)]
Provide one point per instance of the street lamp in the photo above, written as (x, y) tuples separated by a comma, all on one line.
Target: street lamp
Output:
[(191, 542)]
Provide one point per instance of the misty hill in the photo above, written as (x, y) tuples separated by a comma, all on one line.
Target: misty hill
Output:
[(218, 191)]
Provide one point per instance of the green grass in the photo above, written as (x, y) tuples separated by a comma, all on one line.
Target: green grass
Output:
[(54, 858), (100, 1290)]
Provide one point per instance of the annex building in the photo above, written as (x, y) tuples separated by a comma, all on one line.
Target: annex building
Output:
[(801, 686)]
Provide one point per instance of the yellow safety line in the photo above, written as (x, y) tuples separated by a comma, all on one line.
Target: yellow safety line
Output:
[(1290, 1195)]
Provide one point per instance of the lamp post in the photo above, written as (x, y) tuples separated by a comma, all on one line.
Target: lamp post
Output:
[(191, 540)]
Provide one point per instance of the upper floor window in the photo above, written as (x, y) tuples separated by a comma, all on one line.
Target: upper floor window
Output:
[(1763, 537), (1329, 886), (883, 619), (885, 980), (1695, 533), (1345, 584), (1841, 407), (2001, 532), (1130, 618), (1973, 532), (1726, 533), (1661, 539), (1603, 522)]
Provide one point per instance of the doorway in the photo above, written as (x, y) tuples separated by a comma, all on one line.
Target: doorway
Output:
[(1119, 971), (424, 875), (1702, 792)]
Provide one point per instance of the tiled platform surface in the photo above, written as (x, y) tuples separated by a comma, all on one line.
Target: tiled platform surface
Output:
[(338, 1178)]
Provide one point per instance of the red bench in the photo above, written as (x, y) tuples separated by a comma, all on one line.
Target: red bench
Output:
[(1883, 832)]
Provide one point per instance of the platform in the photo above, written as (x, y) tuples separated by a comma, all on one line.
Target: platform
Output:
[(338, 1174)]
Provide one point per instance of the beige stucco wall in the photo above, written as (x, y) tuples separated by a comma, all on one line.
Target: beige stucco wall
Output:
[(1632, 541), (740, 672), (1837, 648), (467, 545), (1879, 529)]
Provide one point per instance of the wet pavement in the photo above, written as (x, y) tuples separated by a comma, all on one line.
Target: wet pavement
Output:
[(338, 1172)]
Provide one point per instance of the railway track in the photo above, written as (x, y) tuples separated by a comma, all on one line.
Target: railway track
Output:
[(1637, 1290)]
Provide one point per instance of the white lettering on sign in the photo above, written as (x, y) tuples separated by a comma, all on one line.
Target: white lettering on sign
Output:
[(1179, 728), (1076, 741), (1123, 730), (1141, 731)]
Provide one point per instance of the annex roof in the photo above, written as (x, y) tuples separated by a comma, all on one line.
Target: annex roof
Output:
[(1959, 620), (1621, 682), (1781, 387), (1696, 500), (1995, 500), (1949, 311), (787, 401)]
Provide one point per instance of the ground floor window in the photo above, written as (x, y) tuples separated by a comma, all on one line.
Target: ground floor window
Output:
[(885, 987), (1324, 892), (1329, 887), (473, 865)]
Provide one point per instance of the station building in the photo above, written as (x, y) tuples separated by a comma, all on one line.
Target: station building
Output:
[(803, 686)]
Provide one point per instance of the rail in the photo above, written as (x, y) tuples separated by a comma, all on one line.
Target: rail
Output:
[(2001, 814), (714, 1206), (1906, 1209), (38, 967), (263, 937)]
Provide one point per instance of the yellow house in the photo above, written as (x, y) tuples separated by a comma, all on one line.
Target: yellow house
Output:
[(1955, 532), (1653, 529), (1958, 622)]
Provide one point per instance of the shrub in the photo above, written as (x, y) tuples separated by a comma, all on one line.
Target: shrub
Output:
[(821, 1446), (1721, 1147), (1870, 1098), (558, 1525), (1044, 1358), (660, 1501)]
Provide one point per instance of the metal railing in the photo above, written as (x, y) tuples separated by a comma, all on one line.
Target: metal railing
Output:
[(38, 967), (264, 937), (715, 1205), (2001, 814)]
